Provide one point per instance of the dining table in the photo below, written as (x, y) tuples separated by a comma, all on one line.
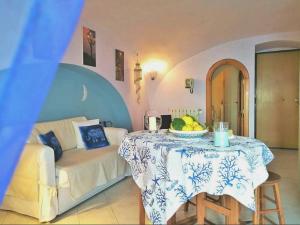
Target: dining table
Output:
[(171, 170)]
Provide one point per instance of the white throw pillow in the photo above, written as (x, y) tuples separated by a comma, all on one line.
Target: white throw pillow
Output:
[(76, 125)]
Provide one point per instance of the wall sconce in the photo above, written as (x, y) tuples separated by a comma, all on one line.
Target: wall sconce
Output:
[(189, 84), (153, 74), (154, 67), (137, 78)]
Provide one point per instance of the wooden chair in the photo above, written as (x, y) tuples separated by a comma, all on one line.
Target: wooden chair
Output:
[(225, 205), (217, 199), (259, 216)]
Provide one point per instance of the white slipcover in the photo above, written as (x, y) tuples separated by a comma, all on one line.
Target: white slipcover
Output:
[(44, 189)]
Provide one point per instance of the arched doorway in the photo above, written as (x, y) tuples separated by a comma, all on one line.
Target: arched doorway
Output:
[(244, 112)]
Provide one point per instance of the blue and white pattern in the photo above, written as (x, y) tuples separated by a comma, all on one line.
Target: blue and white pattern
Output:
[(51, 140), (93, 136), (171, 170)]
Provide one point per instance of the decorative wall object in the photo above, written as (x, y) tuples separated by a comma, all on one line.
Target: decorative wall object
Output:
[(89, 46), (154, 67), (137, 79), (119, 65), (84, 93), (189, 84)]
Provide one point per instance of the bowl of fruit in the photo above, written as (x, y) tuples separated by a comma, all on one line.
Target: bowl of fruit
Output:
[(187, 127)]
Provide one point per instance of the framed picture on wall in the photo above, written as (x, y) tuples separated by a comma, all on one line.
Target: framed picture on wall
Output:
[(89, 46), (119, 65)]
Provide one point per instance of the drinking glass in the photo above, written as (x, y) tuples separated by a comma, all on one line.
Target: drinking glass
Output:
[(152, 121), (221, 126), (221, 134)]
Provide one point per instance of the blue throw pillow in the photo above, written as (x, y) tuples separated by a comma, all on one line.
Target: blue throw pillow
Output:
[(93, 136), (51, 140)]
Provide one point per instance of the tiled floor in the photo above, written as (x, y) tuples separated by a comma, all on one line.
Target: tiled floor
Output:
[(118, 204)]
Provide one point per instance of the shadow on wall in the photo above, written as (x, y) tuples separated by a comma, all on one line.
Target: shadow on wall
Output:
[(77, 91)]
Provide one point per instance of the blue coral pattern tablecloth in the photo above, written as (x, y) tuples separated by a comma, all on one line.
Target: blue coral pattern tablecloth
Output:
[(171, 170)]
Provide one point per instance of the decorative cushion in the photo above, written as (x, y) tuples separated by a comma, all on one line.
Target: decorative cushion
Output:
[(76, 125), (50, 140), (93, 136)]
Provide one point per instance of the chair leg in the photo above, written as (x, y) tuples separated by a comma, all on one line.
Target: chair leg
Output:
[(261, 204), (172, 220), (142, 219), (234, 211), (278, 203), (256, 215), (186, 206), (200, 199), (226, 204)]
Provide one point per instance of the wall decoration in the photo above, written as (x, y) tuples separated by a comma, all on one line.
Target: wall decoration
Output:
[(89, 46), (84, 93), (137, 79), (119, 65)]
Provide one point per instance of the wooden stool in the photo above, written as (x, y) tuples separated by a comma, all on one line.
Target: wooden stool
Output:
[(259, 215), (229, 208), (217, 199)]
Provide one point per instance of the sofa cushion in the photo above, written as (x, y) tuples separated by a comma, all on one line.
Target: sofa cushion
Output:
[(93, 136), (77, 125), (51, 140), (82, 170), (63, 130)]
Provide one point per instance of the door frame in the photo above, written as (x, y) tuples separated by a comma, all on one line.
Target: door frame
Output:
[(237, 64)]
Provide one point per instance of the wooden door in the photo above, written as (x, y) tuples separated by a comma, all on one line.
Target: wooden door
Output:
[(226, 97), (232, 101), (277, 111), (218, 97), (241, 106)]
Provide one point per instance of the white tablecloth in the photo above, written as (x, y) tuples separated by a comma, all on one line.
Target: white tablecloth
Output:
[(171, 170)]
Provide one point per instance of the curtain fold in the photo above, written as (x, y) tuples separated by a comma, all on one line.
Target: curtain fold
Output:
[(34, 37)]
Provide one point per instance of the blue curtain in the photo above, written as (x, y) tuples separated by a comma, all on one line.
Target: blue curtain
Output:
[(34, 37)]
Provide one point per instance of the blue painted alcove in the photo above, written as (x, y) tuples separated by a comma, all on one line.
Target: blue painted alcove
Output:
[(65, 97)]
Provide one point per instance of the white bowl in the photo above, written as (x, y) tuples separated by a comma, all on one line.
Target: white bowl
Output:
[(188, 134)]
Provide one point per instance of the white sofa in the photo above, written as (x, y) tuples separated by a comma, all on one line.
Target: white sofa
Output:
[(44, 189)]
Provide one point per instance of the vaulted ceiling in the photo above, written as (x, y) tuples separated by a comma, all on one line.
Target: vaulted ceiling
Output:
[(177, 29)]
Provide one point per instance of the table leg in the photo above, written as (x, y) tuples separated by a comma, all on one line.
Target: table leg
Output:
[(172, 220), (141, 210), (200, 199)]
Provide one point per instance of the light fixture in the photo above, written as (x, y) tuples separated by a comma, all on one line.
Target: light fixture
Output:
[(153, 74), (137, 78), (154, 67)]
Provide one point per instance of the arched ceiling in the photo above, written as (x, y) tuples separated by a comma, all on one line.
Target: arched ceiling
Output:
[(174, 30)]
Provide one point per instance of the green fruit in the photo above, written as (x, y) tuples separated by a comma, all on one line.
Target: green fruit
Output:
[(177, 124)]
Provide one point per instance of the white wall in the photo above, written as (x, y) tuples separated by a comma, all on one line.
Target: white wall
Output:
[(105, 65), (169, 92)]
